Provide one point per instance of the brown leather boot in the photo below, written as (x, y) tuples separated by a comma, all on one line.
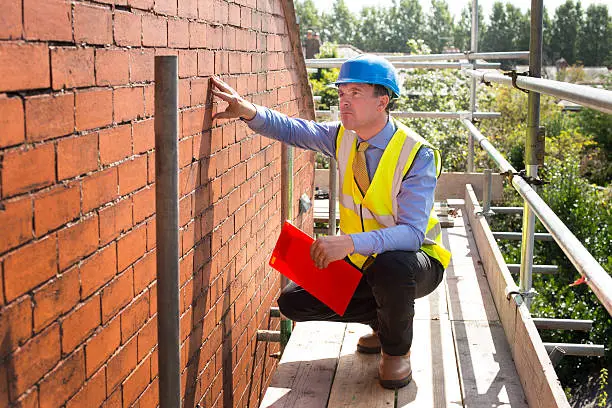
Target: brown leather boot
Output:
[(369, 344), (394, 371)]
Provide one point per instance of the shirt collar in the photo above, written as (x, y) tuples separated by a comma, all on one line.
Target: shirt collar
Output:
[(382, 138)]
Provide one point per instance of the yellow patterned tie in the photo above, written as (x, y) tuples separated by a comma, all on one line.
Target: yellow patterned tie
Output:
[(360, 169)]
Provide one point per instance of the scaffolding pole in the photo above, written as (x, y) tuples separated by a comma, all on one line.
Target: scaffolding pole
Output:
[(431, 115), (457, 56), (337, 62), (473, 84)]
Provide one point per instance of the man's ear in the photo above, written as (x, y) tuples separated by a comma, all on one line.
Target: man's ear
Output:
[(383, 101)]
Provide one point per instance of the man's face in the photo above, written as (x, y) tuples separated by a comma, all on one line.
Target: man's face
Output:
[(359, 107)]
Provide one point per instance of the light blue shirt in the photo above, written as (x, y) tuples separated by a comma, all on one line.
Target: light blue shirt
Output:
[(416, 195)]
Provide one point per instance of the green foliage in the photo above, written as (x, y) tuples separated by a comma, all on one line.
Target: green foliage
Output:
[(565, 29), (594, 44), (322, 80), (308, 16), (440, 26), (602, 395)]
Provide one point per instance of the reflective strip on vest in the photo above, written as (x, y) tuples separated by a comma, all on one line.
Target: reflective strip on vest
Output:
[(378, 209)]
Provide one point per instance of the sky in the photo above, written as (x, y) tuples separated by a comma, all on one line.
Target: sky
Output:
[(455, 6)]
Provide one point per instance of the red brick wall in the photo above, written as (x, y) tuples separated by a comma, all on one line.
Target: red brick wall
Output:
[(78, 321)]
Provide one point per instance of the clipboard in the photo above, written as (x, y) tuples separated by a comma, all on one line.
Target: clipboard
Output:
[(334, 285)]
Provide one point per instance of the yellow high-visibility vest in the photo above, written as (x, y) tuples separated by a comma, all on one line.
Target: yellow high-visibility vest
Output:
[(378, 209)]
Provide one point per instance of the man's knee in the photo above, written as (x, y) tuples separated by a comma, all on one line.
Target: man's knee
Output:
[(393, 267), (287, 306)]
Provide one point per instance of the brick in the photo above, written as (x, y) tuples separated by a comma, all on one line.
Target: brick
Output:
[(188, 63), (34, 359), (15, 325), (78, 241), (197, 34), (49, 116), (134, 317), (144, 136), (80, 323), (47, 20), (147, 338), (128, 27), (115, 219), (151, 167), (154, 31), (28, 400), (129, 103), (188, 8), (150, 398), (23, 66), (113, 400), (94, 109), (121, 364), (117, 294), (77, 155), (12, 121), (92, 24), (206, 63), (115, 144), (56, 207), (166, 7), (131, 247), (142, 65), (245, 17), (184, 94), (234, 14), (178, 33), (145, 272), (112, 67), (16, 223), (137, 382), (98, 269), (64, 381), (199, 91), (132, 175), (99, 189), (144, 204), (11, 19), (141, 4), (30, 266), (149, 92), (28, 170), (101, 346), (55, 298), (92, 394), (72, 67)]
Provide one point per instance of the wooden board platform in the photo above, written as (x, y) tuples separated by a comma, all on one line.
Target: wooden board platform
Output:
[(460, 356)]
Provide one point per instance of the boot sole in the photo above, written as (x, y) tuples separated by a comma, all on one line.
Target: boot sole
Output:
[(368, 350), (395, 384)]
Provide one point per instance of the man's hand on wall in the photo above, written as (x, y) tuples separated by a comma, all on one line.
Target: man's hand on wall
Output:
[(238, 106), (328, 249)]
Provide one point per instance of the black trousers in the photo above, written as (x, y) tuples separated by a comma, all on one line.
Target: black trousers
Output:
[(384, 298)]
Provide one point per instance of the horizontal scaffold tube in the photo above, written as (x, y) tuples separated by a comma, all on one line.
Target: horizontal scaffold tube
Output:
[(433, 115), (599, 99), (447, 57), (596, 277), (337, 62)]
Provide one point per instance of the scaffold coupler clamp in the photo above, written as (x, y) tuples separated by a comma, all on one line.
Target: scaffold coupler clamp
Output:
[(521, 296), (533, 181), (513, 74)]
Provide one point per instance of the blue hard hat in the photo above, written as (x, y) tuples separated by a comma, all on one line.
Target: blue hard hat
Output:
[(369, 69)]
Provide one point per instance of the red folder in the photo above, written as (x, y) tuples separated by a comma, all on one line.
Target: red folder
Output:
[(333, 285)]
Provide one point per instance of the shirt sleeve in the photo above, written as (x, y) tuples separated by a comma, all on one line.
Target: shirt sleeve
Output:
[(415, 201), (307, 134)]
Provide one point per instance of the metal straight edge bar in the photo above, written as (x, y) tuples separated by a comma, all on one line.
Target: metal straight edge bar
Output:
[(598, 99), (572, 349), (167, 229), (446, 57), (507, 210), (542, 323), (336, 63), (596, 277), (432, 115), (516, 236), (540, 269)]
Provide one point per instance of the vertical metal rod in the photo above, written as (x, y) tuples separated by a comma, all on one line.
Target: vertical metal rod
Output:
[(333, 188), (286, 215), (473, 85), (532, 146), (167, 229), (486, 192)]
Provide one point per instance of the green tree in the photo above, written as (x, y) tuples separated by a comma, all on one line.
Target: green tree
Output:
[(594, 42), (405, 22), (308, 16), (339, 26), (462, 32), (565, 28), (497, 36), (440, 26), (373, 31)]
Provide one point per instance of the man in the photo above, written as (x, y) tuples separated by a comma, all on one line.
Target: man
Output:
[(389, 231)]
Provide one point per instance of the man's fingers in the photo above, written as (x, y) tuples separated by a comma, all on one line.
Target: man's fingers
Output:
[(222, 85), (225, 96), (223, 115)]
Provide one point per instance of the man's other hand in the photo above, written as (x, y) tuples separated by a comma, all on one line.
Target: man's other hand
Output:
[(328, 249), (238, 106)]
